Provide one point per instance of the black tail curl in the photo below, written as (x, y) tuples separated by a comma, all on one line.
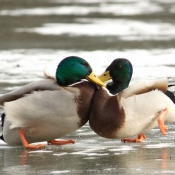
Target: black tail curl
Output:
[(170, 95), (2, 124)]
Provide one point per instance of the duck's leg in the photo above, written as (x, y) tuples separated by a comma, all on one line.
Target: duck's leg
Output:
[(160, 121), (60, 142), (25, 143), (138, 139)]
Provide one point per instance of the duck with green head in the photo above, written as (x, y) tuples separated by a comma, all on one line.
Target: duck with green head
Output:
[(49, 109), (134, 110), (120, 71)]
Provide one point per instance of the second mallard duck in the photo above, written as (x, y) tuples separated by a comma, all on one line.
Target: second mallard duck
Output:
[(133, 111)]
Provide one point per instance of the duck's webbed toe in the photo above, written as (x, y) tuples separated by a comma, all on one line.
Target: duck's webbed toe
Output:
[(138, 139), (60, 142)]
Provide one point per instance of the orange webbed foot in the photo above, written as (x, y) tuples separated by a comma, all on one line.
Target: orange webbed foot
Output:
[(160, 120), (25, 143), (39, 146), (60, 142), (138, 139)]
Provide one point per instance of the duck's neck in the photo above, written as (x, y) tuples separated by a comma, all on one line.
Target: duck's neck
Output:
[(62, 81), (115, 87)]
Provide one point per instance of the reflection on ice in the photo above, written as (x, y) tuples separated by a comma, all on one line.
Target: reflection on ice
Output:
[(60, 172), (17, 168), (40, 151), (122, 148), (60, 154), (117, 158), (160, 145)]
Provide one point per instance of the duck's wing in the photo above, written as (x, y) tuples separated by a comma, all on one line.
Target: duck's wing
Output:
[(41, 106), (42, 85), (145, 86)]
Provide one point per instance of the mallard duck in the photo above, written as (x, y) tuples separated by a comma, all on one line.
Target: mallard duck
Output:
[(49, 109), (134, 110)]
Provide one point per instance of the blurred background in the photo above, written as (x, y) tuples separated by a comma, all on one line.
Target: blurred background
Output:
[(87, 24), (35, 34), (41, 31)]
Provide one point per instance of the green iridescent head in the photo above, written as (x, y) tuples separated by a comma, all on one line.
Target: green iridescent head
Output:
[(73, 69), (120, 71)]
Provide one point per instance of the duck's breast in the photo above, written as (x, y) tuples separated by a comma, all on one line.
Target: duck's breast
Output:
[(106, 117)]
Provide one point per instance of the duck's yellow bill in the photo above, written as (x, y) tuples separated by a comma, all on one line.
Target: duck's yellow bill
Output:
[(105, 76), (93, 78)]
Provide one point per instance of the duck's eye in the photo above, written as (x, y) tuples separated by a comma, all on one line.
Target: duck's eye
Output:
[(85, 64), (104, 75)]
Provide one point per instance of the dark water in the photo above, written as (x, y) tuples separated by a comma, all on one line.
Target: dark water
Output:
[(35, 33), (87, 25)]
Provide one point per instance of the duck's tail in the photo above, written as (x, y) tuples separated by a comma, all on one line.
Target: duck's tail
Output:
[(47, 73), (170, 95), (1, 125)]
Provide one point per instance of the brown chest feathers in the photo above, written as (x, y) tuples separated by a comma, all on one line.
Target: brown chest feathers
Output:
[(83, 101), (106, 116)]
